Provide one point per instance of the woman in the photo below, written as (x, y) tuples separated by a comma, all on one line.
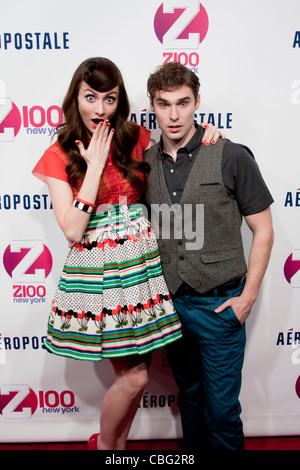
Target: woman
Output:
[(112, 300)]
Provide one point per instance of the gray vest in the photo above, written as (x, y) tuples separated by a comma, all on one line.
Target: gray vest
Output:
[(199, 239)]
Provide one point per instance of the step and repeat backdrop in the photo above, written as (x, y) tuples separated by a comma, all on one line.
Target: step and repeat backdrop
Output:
[(247, 56)]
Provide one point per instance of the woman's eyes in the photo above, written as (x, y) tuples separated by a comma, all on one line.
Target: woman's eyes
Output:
[(111, 99), (108, 99), (90, 97)]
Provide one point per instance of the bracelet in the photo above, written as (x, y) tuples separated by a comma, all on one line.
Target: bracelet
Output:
[(84, 202), (83, 207)]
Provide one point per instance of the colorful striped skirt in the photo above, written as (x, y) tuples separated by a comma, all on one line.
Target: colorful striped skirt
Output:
[(112, 299)]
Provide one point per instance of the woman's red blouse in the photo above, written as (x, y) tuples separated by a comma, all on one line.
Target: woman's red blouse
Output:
[(113, 185)]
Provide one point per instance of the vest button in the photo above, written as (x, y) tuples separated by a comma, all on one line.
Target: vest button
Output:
[(180, 243), (181, 258)]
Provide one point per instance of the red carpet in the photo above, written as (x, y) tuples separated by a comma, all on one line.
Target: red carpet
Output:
[(272, 443)]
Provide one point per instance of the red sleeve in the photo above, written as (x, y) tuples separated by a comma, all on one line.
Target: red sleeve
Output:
[(53, 163), (142, 144), (144, 138)]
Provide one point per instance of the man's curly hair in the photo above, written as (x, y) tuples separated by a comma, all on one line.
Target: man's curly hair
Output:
[(171, 76)]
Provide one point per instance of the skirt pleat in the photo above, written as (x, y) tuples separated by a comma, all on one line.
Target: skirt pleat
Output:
[(112, 299)]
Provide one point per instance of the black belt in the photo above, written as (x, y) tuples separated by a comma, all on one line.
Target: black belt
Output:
[(220, 291)]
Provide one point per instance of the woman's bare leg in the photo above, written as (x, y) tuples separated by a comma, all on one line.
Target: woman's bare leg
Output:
[(121, 401)]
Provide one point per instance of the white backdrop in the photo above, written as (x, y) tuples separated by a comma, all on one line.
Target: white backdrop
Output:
[(247, 59)]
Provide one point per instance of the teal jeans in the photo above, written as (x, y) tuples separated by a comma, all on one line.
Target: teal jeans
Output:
[(207, 364)]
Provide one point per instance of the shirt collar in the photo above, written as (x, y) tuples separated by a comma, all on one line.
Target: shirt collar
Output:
[(189, 148)]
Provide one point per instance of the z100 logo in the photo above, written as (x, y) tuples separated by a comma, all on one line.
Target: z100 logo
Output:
[(36, 119), (292, 268), (21, 402), (28, 262), (181, 24)]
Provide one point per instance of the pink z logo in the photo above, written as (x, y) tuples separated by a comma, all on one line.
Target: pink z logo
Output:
[(10, 120), (181, 24), (17, 401), (27, 261)]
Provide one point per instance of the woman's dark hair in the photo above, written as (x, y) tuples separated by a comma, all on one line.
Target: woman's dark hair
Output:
[(102, 75)]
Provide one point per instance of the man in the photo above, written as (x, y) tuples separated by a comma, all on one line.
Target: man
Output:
[(209, 188)]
